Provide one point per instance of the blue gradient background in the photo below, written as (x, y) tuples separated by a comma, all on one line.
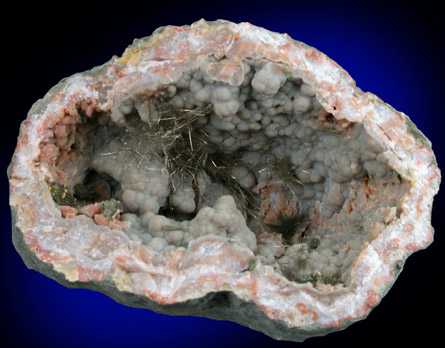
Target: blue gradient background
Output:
[(391, 50)]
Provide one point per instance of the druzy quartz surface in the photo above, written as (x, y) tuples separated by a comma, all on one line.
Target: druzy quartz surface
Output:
[(226, 171)]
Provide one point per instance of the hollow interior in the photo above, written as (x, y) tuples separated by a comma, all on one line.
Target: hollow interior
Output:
[(261, 164)]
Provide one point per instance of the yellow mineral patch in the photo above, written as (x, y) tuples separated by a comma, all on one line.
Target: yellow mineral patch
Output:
[(68, 268), (122, 280), (131, 57)]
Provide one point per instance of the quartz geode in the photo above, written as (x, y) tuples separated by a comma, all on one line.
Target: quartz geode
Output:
[(226, 171)]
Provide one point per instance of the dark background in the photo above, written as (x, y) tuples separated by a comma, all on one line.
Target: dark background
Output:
[(393, 50)]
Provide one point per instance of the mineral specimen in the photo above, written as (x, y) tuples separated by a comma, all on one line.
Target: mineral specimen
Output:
[(226, 171)]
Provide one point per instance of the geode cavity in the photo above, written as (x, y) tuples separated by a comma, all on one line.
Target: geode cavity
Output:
[(223, 170)]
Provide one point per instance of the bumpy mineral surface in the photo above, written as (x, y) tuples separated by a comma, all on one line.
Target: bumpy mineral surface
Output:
[(223, 170)]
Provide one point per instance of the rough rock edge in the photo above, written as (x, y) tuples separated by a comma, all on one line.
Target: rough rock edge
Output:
[(271, 329), (223, 305)]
